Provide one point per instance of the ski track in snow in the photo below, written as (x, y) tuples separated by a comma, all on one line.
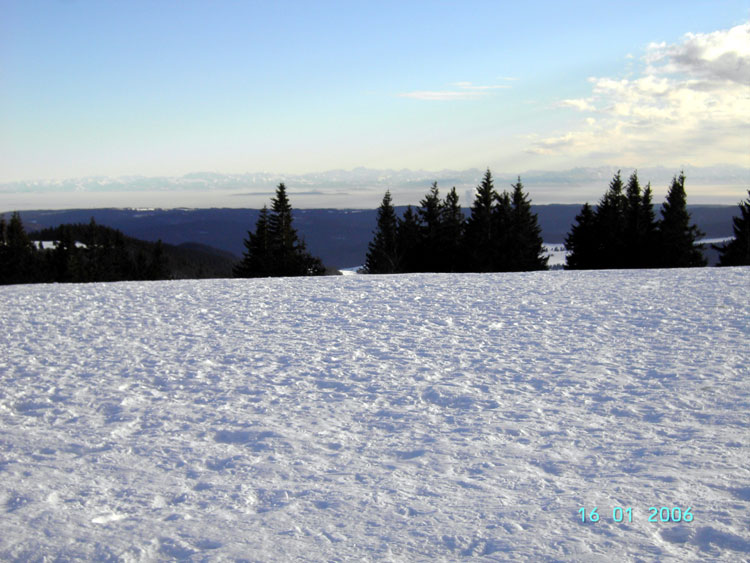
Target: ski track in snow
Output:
[(413, 417)]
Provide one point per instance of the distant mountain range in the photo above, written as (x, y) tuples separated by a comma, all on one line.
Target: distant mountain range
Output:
[(338, 236), (366, 178), (356, 188)]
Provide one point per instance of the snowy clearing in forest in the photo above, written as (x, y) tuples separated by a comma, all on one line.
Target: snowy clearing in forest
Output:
[(412, 417)]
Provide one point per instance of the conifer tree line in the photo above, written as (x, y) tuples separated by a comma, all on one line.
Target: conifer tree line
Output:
[(737, 251), (500, 235), (81, 253), (274, 248), (623, 232)]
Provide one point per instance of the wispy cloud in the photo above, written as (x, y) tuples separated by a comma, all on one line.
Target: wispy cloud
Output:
[(460, 91), (475, 87), (441, 95), (579, 104), (690, 102)]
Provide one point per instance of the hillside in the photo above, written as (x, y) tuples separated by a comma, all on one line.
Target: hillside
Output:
[(117, 257), (414, 417)]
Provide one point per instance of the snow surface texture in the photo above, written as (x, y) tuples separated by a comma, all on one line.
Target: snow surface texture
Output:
[(413, 417)]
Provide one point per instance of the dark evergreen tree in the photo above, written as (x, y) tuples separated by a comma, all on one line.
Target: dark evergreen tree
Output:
[(121, 264), (525, 244), (382, 253), (640, 226), (611, 225), (275, 249), (157, 267), (737, 251), (633, 236), (677, 237), (140, 266), (581, 242), (5, 272), (648, 240), (408, 243), (257, 258), (283, 237), (480, 247), (451, 235), (502, 233), (18, 256), (430, 244)]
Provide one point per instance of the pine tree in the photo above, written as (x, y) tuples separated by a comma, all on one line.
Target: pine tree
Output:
[(283, 237), (275, 249), (737, 251), (632, 235), (257, 258), (430, 214), (382, 254), (675, 233), (525, 245), (502, 233), (640, 225), (122, 266), (157, 266), (18, 255), (581, 242), (479, 228), (408, 243), (451, 235), (141, 266), (290, 255), (611, 225), (648, 226)]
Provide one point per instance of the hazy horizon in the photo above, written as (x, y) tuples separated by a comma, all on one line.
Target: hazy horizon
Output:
[(359, 188)]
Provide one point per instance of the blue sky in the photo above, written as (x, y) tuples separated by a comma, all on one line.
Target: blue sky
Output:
[(163, 88)]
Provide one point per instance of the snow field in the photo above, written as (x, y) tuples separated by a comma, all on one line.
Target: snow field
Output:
[(412, 417)]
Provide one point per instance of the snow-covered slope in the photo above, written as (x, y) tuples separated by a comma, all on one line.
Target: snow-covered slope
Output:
[(414, 417)]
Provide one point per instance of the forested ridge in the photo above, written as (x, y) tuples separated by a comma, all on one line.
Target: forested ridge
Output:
[(90, 252)]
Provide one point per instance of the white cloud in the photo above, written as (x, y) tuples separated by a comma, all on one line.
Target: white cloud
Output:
[(690, 102), (465, 91), (721, 55)]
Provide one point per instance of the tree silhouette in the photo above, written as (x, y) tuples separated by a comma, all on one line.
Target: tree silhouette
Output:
[(525, 243), (675, 233), (451, 234), (408, 238), (274, 249), (257, 258), (430, 214), (581, 242), (737, 251), (18, 255), (479, 239), (382, 254), (639, 224)]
